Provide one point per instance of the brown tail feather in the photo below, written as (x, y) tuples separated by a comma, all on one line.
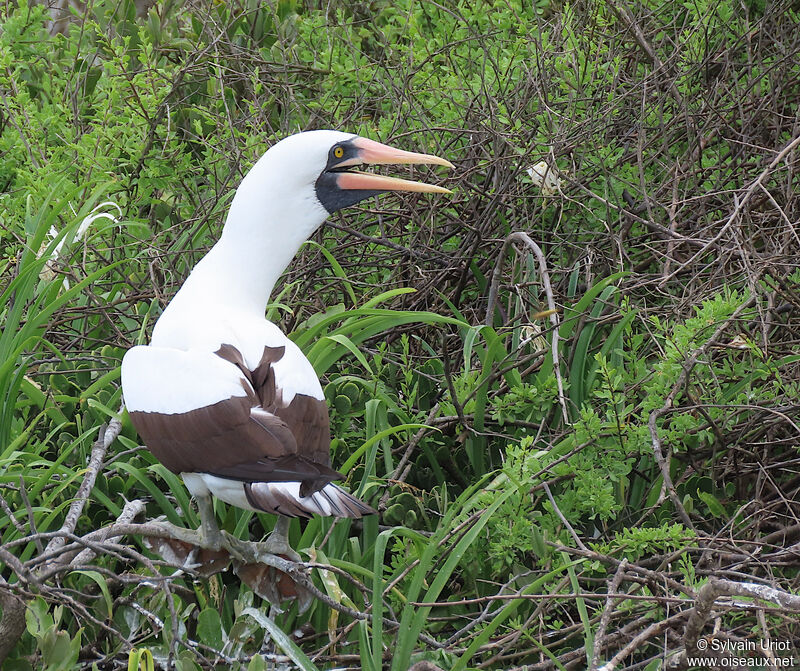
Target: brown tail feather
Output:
[(282, 498)]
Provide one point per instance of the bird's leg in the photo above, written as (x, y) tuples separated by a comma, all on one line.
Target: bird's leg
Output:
[(274, 584), (278, 541), (208, 536), (278, 544), (212, 537)]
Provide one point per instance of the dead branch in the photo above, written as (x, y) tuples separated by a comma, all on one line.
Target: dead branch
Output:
[(707, 596), (108, 434)]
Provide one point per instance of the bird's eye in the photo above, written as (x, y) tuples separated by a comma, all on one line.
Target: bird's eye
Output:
[(338, 152)]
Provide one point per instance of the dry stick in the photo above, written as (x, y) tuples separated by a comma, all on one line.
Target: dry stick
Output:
[(556, 595), (29, 509), (625, 16), (425, 666), (122, 553), (673, 222), (448, 376), (11, 604), (487, 611), (667, 406), (524, 238), (563, 519), (250, 553), (108, 434), (505, 643), (100, 541), (12, 624), (572, 657), (710, 592), (667, 233), (736, 210), (11, 516), (247, 551), (129, 511), (766, 645), (653, 630), (607, 611), (653, 576)]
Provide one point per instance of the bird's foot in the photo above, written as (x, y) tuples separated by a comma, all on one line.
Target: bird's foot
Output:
[(191, 536), (278, 544), (273, 576), (207, 553), (219, 542), (189, 548)]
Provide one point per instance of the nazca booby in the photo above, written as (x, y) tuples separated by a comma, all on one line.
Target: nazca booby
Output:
[(220, 395)]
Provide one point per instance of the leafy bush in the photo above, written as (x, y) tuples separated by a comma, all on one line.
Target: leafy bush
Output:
[(523, 460)]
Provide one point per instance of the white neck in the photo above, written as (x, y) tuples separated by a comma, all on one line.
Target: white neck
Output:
[(265, 228), (237, 277), (274, 211)]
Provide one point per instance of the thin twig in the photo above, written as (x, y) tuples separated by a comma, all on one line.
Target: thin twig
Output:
[(636, 642), (607, 611), (751, 189), (524, 238), (563, 519)]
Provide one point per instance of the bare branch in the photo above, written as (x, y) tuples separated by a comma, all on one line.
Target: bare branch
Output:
[(108, 434)]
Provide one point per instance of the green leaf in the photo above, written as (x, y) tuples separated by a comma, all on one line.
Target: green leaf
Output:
[(337, 269), (209, 628), (353, 458), (37, 617), (414, 618), (344, 340), (580, 603), (281, 639), (508, 610), (713, 503), (100, 581), (257, 663)]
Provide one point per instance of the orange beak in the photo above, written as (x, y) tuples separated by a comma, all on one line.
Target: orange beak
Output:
[(375, 153)]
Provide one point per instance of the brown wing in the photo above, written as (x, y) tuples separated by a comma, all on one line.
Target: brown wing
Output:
[(252, 438), (306, 416)]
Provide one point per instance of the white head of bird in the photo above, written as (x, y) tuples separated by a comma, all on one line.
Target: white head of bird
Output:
[(285, 197)]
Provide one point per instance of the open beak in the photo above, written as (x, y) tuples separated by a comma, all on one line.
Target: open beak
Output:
[(370, 152)]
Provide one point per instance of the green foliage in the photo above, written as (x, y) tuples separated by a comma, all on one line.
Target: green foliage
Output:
[(59, 651), (636, 542), (140, 659), (121, 142)]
